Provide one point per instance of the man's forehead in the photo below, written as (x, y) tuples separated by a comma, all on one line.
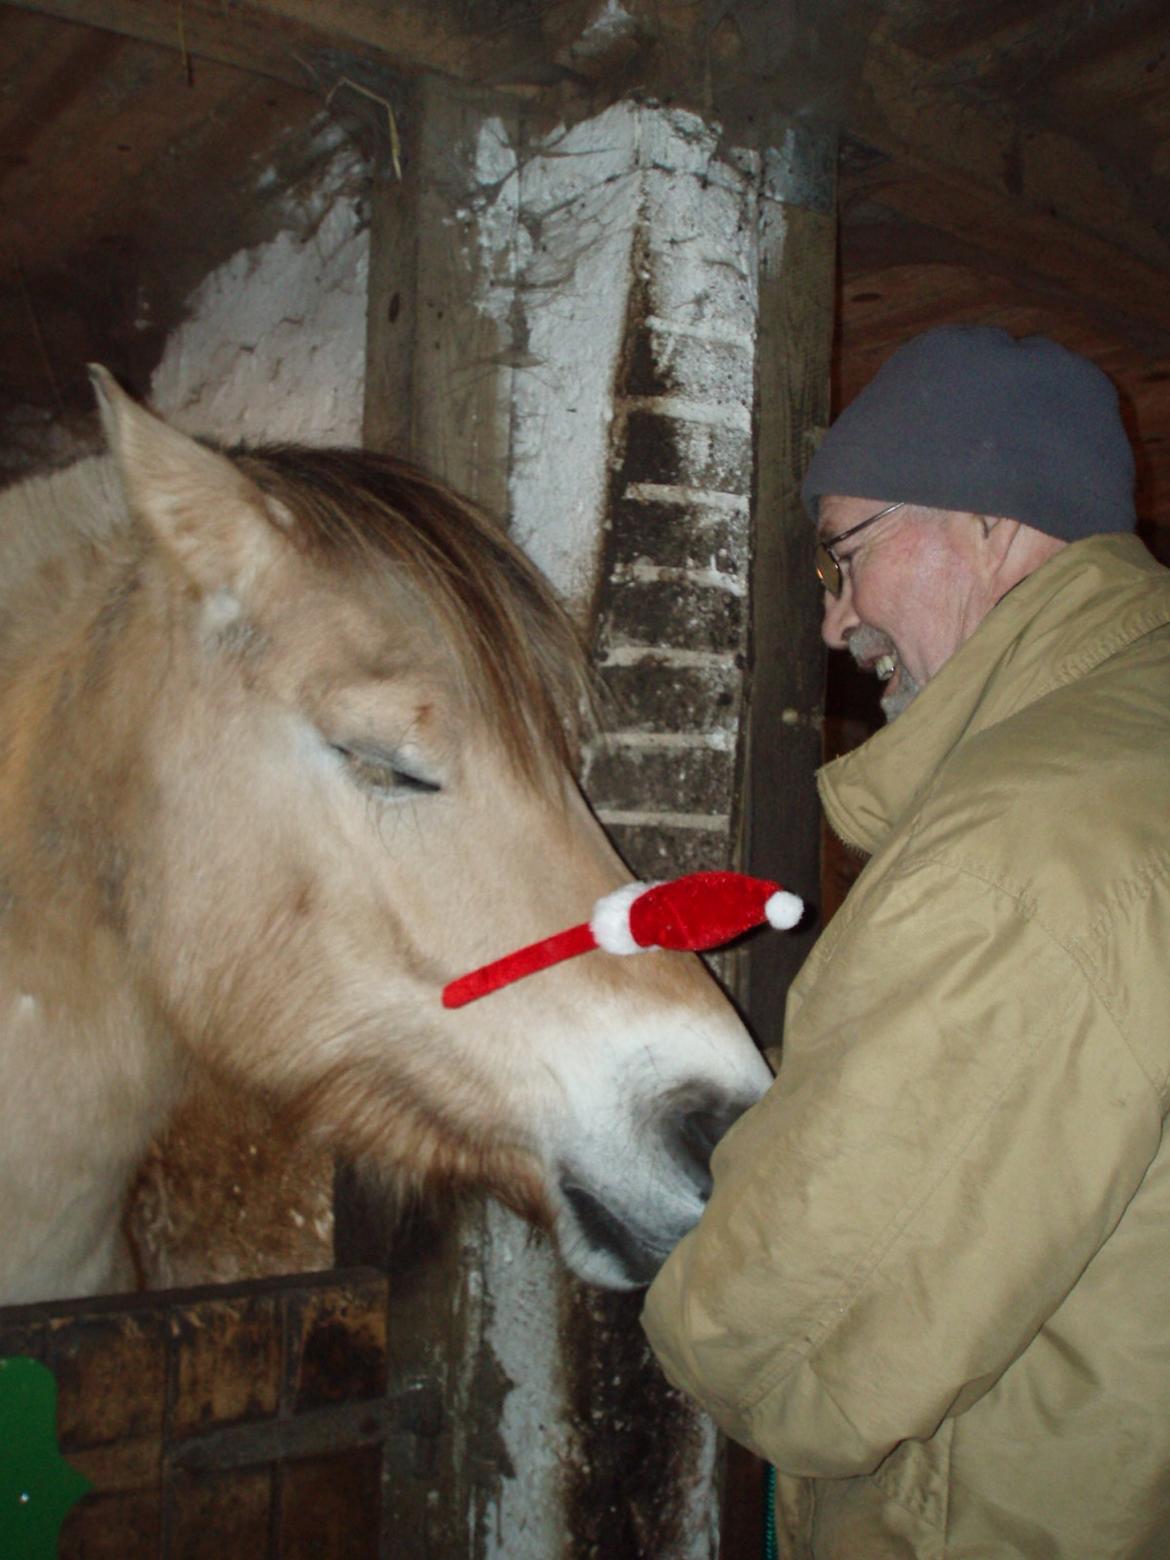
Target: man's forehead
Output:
[(838, 511)]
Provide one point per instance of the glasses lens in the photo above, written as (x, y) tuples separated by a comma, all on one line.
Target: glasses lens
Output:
[(828, 571)]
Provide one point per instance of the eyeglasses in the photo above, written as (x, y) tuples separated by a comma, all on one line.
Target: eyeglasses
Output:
[(828, 565)]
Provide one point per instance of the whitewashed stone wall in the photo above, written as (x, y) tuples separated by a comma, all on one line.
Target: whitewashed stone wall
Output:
[(619, 260)]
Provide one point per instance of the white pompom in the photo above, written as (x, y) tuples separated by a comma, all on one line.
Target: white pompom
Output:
[(610, 921), (783, 909)]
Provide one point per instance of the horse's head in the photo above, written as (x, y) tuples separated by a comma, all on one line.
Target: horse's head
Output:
[(342, 710)]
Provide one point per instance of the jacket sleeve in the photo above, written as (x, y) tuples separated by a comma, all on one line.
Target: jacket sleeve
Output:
[(956, 1127)]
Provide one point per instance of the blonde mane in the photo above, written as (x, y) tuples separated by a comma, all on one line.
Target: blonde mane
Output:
[(517, 649)]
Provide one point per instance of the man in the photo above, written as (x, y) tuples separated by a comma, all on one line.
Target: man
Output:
[(932, 1285)]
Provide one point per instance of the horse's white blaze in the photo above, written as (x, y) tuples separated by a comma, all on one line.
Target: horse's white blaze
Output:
[(220, 847)]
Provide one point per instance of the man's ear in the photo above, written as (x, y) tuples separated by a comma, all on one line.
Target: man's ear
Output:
[(203, 510)]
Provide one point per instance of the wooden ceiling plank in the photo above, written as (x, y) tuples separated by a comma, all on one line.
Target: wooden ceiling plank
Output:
[(1122, 86), (104, 115), (1084, 265), (960, 30), (307, 42), (971, 172), (251, 36), (1108, 53), (972, 164), (43, 79), (1013, 45)]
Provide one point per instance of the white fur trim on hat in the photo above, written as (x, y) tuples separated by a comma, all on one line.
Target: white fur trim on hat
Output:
[(783, 909), (610, 921)]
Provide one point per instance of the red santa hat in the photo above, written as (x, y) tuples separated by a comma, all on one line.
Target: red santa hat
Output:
[(700, 911)]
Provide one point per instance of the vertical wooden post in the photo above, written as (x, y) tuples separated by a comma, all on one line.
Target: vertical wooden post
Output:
[(437, 390), (438, 385), (780, 829), (692, 475), (780, 833), (392, 290)]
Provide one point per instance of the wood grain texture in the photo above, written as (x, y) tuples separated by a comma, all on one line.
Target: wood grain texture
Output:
[(222, 1422)]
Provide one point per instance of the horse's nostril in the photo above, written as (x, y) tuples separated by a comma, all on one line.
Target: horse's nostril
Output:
[(698, 1132)]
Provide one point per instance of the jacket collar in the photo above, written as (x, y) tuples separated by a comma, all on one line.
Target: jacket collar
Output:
[(1086, 603)]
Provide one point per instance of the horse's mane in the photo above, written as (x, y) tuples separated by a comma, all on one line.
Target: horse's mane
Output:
[(520, 654)]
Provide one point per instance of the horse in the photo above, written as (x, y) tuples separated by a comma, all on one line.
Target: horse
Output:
[(288, 739)]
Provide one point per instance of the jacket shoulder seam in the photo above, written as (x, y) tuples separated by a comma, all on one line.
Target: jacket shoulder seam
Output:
[(1074, 948)]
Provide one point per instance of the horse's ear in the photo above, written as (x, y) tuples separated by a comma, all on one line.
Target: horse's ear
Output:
[(199, 505)]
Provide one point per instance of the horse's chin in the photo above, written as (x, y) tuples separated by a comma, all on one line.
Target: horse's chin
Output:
[(605, 1248)]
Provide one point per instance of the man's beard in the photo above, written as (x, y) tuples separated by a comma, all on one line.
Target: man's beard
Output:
[(875, 651)]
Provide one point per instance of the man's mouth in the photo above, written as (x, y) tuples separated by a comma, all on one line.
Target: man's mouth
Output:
[(875, 652)]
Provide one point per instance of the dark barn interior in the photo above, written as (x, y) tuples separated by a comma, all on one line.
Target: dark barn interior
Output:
[(1005, 163), (1002, 163)]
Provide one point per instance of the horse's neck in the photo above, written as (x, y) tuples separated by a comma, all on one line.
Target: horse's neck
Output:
[(85, 1074), (83, 1086)]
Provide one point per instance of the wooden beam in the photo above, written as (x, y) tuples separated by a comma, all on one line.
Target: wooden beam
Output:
[(251, 36), (314, 43), (958, 162), (437, 389), (973, 43), (438, 380), (1011, 189), (781, 812), (392, 303)]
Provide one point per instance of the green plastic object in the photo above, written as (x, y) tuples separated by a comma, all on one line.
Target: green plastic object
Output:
[(37, 1485), (771, 1545)]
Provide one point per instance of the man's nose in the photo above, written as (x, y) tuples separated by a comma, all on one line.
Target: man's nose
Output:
[(839, 618)]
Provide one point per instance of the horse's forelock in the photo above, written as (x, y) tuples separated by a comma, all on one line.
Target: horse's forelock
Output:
[(515, 645)]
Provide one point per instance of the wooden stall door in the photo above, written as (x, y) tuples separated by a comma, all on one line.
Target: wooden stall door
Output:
[(244, 1422)]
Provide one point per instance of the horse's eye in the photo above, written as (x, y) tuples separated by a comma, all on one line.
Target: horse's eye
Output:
[(405, 781), (378, 771)]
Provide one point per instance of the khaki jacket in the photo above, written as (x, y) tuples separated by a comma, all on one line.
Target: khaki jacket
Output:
[(933, 1281)]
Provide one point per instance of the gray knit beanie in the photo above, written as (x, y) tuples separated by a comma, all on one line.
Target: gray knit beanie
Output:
[(966, 417)]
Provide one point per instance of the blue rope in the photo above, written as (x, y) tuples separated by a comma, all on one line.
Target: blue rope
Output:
[(771, 1548)]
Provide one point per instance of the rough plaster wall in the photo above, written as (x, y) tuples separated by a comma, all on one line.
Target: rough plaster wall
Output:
[(551, 225), (274, 345), (580, 195), (578, 201), (673, 597), (273, 348), (555, 224)]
